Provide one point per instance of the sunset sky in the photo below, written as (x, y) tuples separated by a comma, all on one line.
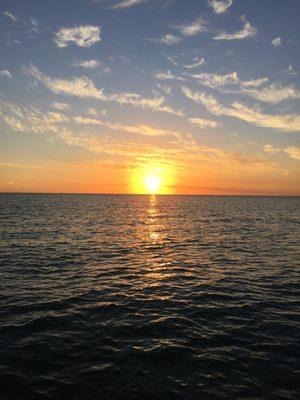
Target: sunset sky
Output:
[(101, 96)]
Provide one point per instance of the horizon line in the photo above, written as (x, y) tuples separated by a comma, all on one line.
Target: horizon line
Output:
[(152, 194)]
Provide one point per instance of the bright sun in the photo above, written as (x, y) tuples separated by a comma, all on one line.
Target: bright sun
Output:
[(152, 178), (153, 184)]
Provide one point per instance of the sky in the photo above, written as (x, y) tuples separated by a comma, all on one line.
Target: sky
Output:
[(193, 96)]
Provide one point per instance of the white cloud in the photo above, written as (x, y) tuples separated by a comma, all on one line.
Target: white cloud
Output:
[(5, 73), (127, 4), (60, 106), (141, 129), (197, 62), (293, 152), (270, 149), (277, 42), (144, 130), (192, 29), (10, 15), (203, 123), (274, 93), (216, 80), (287, 123), (168, 39), (85, 88), (94, 112), (87, 121), (220, 6), (247, 32), (167, 76), (254, 82), (90, 64), (165, 88), (82, 36)]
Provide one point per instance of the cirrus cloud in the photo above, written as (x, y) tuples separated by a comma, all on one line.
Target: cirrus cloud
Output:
[(82, 36), (220, 6), (247, 32)]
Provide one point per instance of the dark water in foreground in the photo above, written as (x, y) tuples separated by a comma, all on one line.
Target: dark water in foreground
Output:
[(133, 297)]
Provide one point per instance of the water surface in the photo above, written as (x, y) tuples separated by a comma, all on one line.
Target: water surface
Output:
[(140, 297)]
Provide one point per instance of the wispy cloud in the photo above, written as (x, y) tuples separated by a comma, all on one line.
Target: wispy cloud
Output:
[(270, 149), (84, 87), (5, 73), (220, 6), (165, 88), (197, 62), (203, 123), (127, 4), (273, 93), (192, 29), (254, 82), (10, 15), (87, 121), (60, 106), (82, 36), (255, 88), (216, 80), (94, 112), (293, 152), (247, 32), (277, 42), (168, 39), (167, 76), (287, 123), (90, 64)]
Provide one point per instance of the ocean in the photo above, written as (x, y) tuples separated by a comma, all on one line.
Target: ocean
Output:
[(149, 297)]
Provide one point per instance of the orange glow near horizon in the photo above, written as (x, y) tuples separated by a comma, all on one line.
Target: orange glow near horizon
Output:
[(152, 179)]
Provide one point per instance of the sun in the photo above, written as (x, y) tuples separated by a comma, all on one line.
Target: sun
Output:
[(153, 184), (152, 178)]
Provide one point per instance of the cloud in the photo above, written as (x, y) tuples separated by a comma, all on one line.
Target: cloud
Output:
[(198, 62), (5, 73), (277, 42), (203, 123), (293, 152), (91, 64), (168, 39), (165, 88), (82, 36), (270, 149), (33, 26), (60, 106), (84, 87), (144, 130), (274, 93), (94, 112), (192, 29), (254, 82), (167, 76), (127, 4), (87, 121), (220, 6), (247, 32), (216, 80), (10, 15), (287, 123), (31, 120)]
